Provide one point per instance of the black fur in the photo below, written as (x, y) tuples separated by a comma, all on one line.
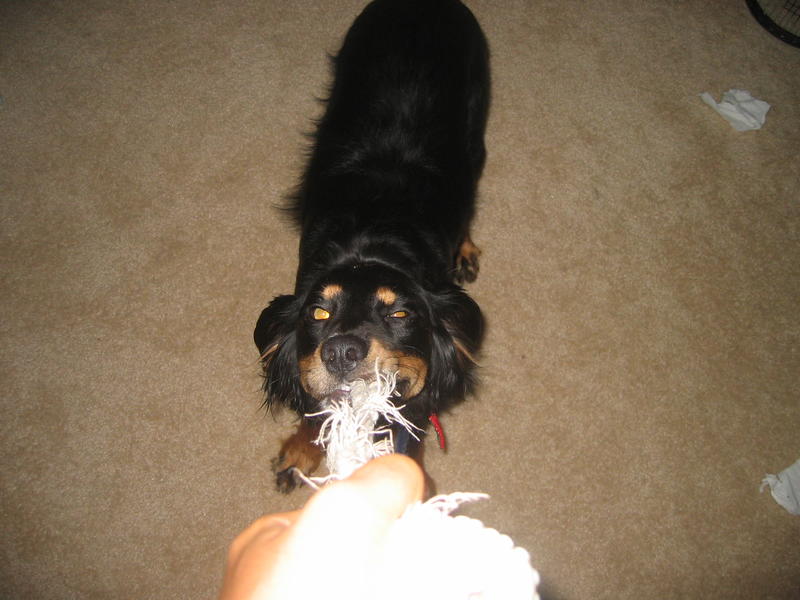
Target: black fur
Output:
[(386, 202)]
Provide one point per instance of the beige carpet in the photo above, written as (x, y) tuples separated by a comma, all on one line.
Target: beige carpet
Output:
[(641, 278)]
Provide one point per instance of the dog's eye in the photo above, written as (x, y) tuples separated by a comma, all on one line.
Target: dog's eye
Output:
[(320, 314), (400, 314)]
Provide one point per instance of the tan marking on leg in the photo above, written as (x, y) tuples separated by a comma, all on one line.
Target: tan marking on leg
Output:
[(299, 450), (467, 261)]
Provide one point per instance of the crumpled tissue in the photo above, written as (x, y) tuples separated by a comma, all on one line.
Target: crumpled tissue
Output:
[(740, 109), (785, 487)]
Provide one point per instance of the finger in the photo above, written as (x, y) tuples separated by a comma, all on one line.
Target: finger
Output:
[(391, 483), (263, 529), (252, 554), (372, 498)]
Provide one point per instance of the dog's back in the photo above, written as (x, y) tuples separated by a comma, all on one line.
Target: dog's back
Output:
[(401, 142)]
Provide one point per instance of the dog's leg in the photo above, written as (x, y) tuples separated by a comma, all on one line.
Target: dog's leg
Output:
[(467, 261), (297, 452)]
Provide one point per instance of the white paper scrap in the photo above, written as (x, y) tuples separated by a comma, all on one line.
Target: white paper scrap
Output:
[(785, 487), (740, 109)]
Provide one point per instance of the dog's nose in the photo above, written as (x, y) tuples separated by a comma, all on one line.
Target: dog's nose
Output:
[(342, 353)]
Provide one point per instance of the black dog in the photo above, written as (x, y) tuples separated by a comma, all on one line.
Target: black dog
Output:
[(384, 208)]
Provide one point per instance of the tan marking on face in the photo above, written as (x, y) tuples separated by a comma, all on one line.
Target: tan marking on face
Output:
[(411, 369), (314, 377), (414, 370), (331, 290), (386, 295)]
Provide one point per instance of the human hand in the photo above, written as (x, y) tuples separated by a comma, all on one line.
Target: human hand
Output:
[(330, 547)]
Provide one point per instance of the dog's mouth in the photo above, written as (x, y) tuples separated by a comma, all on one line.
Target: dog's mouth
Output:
[(340, 394), (343, 392)]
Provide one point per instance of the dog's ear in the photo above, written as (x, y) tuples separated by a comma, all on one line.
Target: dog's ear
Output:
[(457, 335), (275, 338)]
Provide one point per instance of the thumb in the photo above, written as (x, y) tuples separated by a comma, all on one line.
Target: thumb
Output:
[(343, 527)]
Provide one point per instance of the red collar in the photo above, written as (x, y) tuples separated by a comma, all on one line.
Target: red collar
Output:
[(434, 419)]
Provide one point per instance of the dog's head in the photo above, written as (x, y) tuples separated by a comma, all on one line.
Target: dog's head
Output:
[(362, 317)]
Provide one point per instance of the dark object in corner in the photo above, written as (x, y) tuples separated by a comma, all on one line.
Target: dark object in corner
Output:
[(780, 17)]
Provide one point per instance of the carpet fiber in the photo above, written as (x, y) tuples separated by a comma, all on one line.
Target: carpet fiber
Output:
[(640, 276)]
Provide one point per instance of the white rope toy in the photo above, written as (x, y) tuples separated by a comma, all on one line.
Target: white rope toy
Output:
[(348, 434), (449, 558)]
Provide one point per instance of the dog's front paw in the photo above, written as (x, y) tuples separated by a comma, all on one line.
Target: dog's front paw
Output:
[(298, 453), (286, 479)]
